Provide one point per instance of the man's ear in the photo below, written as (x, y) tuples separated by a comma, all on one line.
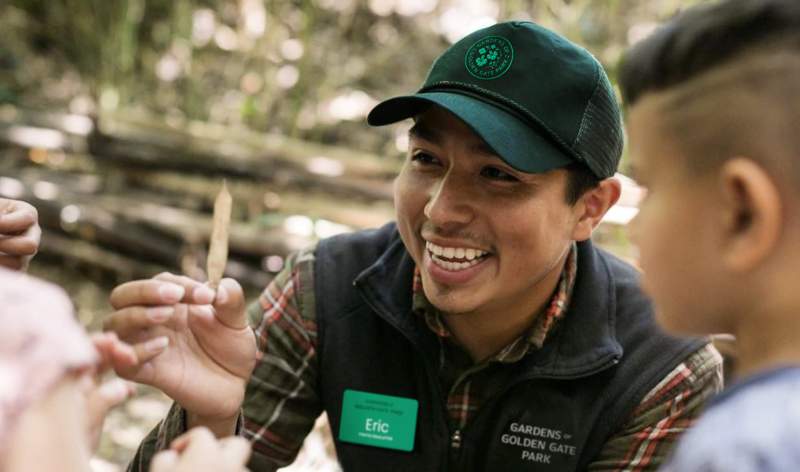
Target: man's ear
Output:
[(592, 205), (751, 215)]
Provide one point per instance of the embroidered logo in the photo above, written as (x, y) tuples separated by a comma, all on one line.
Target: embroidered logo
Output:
[(489, 57)]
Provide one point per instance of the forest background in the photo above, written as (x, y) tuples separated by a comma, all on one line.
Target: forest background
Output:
[(120, 118)]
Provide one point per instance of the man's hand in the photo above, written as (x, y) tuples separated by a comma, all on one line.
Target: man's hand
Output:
[(192, 343), (20, 233)]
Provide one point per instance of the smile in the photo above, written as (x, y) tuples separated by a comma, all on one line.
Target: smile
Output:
[(454, 258)]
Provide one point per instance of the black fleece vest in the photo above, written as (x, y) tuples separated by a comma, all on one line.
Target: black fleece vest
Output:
[(554, 409)]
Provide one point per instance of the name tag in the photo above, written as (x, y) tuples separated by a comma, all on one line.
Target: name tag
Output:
[(378, 420)]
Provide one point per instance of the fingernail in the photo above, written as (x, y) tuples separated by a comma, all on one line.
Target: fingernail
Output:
[(159, 314), (222, 295), (171, 293), (205, 311), (203, 294), (157, 344)]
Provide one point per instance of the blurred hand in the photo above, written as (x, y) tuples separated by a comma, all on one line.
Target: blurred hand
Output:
[(20, 233), (199, 451), (192, 343), (102, 396)]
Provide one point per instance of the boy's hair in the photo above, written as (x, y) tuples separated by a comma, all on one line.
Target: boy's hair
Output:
[(728, 77)]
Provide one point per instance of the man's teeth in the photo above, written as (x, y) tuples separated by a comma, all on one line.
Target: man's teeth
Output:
[(469, 256), (454, 252)]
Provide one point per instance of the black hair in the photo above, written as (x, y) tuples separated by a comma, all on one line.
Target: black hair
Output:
[(703, 38), (580, 179)]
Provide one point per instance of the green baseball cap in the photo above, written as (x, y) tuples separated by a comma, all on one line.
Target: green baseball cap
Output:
[(540, 101)]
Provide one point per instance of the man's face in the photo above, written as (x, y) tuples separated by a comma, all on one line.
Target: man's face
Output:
[(485, 237), (673, 229)]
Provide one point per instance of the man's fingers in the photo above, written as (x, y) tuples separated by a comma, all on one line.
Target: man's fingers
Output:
[(132, 362), (150, 348), (20, 217), (230, 304), (130, 320), (197, 292), (146, 292), (163, 289), (124, 358)]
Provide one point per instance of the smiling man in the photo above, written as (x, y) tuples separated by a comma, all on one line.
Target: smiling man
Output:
[(481, 331)]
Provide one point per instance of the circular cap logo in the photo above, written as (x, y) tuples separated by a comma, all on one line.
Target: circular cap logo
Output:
[(489, 58)]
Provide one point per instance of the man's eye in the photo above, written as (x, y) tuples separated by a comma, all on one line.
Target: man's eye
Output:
[(424, 158), (496, 174)]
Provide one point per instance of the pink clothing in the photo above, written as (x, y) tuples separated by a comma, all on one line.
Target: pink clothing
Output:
[(40, 343)]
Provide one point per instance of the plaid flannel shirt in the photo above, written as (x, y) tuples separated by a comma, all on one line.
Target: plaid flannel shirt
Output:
[(282, 400)]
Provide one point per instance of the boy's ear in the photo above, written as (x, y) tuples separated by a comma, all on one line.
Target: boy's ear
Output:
[(751, 214), (593, 205)]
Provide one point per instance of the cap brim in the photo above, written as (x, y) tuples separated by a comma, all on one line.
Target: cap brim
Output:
[(516, 142)]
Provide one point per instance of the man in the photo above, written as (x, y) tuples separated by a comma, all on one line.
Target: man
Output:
[(482, 330), (19, 233)]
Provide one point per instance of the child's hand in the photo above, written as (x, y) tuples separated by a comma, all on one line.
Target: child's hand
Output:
[(20, 233), (102, 396), (198, 450)]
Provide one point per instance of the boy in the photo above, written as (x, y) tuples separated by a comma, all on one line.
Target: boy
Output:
[(714, 110)]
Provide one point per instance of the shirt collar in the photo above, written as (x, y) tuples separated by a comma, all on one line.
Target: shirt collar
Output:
[(534, 338)]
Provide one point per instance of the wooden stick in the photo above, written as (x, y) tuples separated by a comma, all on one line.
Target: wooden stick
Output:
[(218, 246)]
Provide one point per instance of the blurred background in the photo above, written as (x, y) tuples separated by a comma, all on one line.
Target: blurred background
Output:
[(120, 119)]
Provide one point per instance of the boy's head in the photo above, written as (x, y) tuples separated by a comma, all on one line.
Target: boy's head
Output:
[(713, 101)]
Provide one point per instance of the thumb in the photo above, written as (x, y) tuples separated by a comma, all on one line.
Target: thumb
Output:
[(229, 304)]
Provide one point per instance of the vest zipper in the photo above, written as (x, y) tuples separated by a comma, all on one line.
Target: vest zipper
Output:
[(455, 439), (455, 451)]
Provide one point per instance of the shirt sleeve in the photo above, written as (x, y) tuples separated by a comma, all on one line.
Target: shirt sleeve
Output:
[(281, 402), (159, 438), (664, 414)]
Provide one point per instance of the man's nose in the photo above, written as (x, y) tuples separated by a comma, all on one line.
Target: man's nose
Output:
[(450, 202)]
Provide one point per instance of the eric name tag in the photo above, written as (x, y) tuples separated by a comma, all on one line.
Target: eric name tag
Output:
[(378, 420)]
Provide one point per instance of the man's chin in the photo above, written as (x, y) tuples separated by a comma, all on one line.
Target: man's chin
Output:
[(449, 300)]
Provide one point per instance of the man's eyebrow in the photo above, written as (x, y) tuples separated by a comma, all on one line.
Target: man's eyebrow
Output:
[(421, 130), (481, 147)]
